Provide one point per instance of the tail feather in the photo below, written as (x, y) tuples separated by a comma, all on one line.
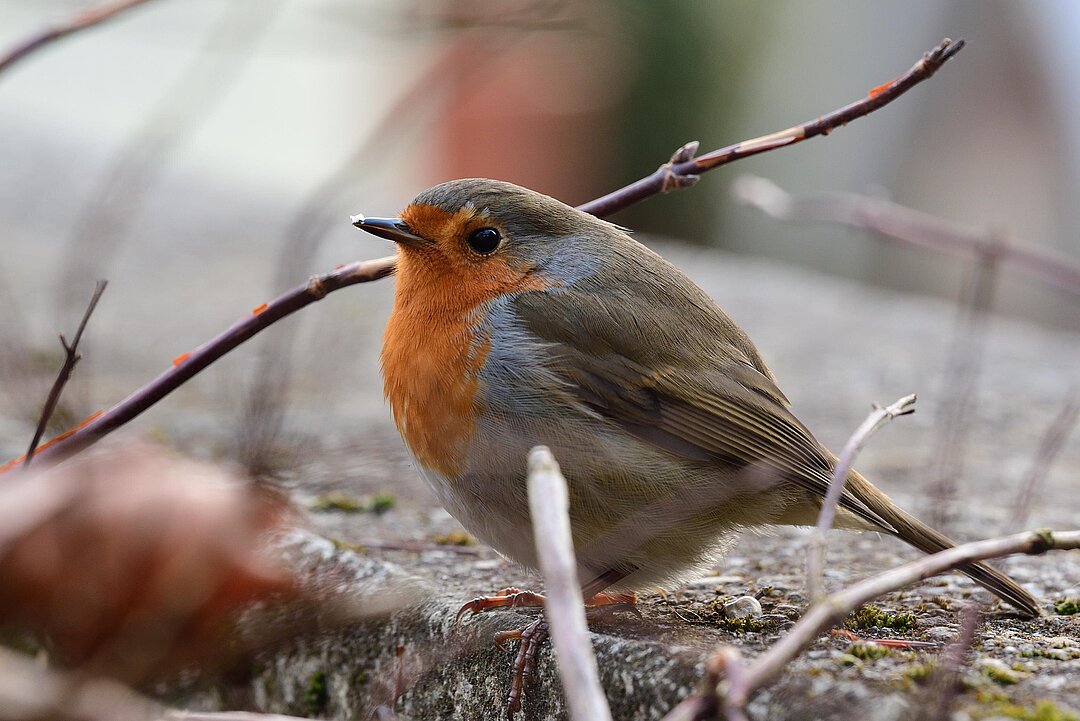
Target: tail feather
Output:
[(913, 531)]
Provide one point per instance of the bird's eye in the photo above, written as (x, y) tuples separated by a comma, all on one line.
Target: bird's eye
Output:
[(485, 240)]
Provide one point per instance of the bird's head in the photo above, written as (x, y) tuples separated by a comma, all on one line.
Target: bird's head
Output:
[(488, 237)]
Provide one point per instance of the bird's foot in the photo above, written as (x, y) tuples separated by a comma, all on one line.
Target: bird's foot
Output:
[(533, 635), (506, 598)]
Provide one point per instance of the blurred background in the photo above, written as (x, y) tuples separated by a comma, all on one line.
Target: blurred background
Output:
[(204, 155)]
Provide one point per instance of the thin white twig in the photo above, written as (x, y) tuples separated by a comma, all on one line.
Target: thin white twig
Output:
[(549, 504), (815, 554), (824, 614)]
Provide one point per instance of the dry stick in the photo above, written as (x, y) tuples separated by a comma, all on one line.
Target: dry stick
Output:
[(1049, 448), (188, 365), (908, 226), (683, 169), (953, 659), (959, 383), (549, 506), (71, 358), (815, 553), (828, 612), (80, 21), (102, 222), (670, 176)]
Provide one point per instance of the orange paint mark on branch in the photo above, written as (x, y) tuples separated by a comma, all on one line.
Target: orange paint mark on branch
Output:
[(180, 359), (259, 309), (874, 92), (66, 434)]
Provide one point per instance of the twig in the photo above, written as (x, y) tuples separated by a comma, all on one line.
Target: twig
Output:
[(103, 220), (832, 609), (905, 225), (189, 364), (952, 661), (1049, 448), (959, 384), (297, 298), (80, 21), (71, 358), (734, 669), (549, 506), (683, 168), (815, 554)]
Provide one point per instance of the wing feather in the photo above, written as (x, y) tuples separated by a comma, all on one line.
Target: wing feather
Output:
[(702, 402)]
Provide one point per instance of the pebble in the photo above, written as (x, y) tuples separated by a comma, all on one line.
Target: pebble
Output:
[(941, 633), (743, 607), (1060, 642)]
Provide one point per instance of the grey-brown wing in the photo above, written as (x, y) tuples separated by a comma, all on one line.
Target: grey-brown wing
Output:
[(703, 405)]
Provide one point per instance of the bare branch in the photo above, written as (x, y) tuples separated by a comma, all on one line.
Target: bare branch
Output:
[(188, 365), (71, 358), (549, 505), (82, 20), (682, 171), (815, 554), (670, 176), (953, 659), (1050, 446), (905, 225), (960, 381)]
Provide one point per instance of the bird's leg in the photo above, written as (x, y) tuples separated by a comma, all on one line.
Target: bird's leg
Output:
[(533, 635)]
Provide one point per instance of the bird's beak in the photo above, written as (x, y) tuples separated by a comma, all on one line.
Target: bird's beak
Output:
[(393, 229)]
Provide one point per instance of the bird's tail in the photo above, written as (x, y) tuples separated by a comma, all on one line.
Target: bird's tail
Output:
[(926, 539)]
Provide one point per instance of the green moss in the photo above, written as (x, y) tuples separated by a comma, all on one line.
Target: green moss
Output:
[(382, 503), (920, 672), (868, 651), (748, 624), (1041, 711), (869, 617), (454, 538), (1001, 675), (317, 694), (337, 501), (846, 659), (1067, 606)]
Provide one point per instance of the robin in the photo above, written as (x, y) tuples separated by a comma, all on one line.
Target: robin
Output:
[(520, 321)]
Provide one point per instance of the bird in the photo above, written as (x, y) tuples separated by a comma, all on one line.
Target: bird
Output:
[(521, 321)]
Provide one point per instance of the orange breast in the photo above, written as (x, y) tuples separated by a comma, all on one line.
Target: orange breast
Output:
[(430, 365), (434, 345)]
